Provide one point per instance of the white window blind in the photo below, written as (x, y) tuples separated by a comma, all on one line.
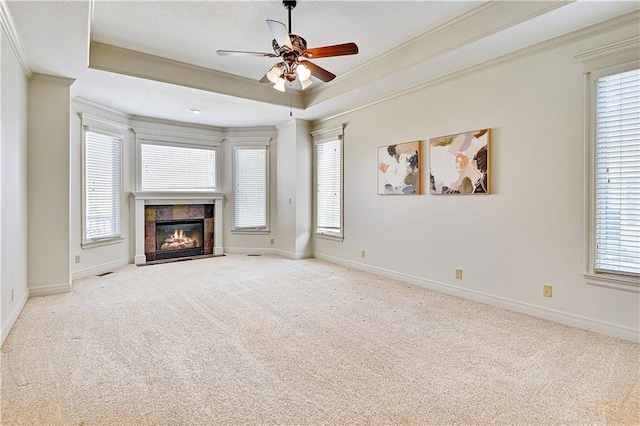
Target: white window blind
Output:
[(102, 161), (617, 174), (250, 188), (176, 168), (329, 187)]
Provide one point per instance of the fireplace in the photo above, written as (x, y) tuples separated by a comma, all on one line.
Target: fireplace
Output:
[(178, 230), (179, 238), (152, 207)]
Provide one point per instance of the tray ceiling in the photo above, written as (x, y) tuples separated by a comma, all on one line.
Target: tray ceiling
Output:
[(157, 59)]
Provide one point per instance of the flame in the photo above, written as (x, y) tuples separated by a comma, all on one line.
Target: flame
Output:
[(179, 240), (179, 236)]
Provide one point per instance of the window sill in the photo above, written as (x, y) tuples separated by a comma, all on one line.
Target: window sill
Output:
[(249, 231), (102, 242), (618, 282), (332, 237)]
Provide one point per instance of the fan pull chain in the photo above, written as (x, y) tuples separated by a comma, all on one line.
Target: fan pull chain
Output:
[(290, 105)]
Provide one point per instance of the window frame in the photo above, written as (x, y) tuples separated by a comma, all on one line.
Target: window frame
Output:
[(616, 280), (321, 137), (250, 230), (115, 132)]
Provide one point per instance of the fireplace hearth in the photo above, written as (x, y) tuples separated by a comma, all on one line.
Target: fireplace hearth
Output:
[(179, 238)]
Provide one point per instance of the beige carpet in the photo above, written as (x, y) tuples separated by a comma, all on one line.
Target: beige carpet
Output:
[(265, 340)]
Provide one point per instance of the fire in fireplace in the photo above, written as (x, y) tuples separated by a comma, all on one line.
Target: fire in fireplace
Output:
[(179, 238)]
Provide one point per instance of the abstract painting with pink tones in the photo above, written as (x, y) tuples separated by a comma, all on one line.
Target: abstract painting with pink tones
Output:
[(399, 169), (459, 164)]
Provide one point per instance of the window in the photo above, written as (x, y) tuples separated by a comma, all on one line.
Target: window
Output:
[(102, 186), (328, 157), (617, 173), (250, 188), (177, 168)]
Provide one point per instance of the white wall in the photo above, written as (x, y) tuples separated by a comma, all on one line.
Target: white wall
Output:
[(304, 199), (527, 233), (13, 188), (294, 190), (48, 184), (286, 197)]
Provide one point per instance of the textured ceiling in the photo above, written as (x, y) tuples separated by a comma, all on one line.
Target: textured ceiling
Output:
[(402, 45), (191, 32)]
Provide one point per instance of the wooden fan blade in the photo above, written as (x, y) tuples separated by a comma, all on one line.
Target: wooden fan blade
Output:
[(319, 72), (328, 51), (239, 53), (280, 33)]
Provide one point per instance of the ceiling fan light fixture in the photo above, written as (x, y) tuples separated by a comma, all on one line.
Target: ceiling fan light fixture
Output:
[(293, 51), (279, 86), (274, 73), (304, 73)]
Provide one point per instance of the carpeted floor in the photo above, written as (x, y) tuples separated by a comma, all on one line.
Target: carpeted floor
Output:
[(266, 340)]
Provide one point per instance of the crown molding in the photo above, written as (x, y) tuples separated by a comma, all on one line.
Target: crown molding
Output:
[(483, 21), (144, 122), (14, 39), (289, 123), (101, 107), (123, 61), (629, 19), (259, 131), (52, 79), (249, 140), (151, 129), (624, 47), (95, 121)]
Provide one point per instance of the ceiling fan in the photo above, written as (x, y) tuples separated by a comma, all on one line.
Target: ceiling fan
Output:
[(294, 53)]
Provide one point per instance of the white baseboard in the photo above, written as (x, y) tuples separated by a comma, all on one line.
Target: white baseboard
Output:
[(269, 251), (240, 250), (140, 259), (13, 317), (613, 330), (48, 290), (294, 256), (99, 269)]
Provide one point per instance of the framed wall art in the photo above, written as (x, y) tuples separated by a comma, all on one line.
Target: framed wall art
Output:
[(459, 164), (399, 169)]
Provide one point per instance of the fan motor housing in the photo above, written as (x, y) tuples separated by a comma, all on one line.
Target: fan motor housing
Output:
[(299, 45)]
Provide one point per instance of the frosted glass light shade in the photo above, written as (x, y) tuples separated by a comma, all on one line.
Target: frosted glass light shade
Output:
[(274, 73), (279, 86), (303, 72)]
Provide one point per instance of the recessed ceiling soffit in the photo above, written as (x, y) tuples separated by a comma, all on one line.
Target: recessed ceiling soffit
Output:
[(480, 22)]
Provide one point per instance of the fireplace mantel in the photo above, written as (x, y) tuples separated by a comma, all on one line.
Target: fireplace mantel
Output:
[(173, 197), (143, 198)]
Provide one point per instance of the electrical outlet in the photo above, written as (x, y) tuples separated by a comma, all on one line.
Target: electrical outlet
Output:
[(458, 274), (362, 253), (547, 291), (78, 259), (272, 241)]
